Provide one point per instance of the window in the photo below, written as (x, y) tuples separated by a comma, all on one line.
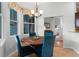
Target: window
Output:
[(13, 22), (29, 25), (0, 20), (0, 7)]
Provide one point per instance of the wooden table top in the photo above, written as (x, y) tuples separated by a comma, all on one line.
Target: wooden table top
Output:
[(31, 41)]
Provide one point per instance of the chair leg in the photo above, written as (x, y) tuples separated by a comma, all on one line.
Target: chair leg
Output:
[(18, 55)]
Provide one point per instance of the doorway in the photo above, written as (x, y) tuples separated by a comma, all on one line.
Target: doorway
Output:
[(50, 23)]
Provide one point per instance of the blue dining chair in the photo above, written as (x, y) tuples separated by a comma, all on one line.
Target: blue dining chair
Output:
[(46, 49), (23, 50), (32, 34)]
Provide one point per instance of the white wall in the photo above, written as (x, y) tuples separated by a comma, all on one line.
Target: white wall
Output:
[(5, 25), (71, 40), (66, 10), (39, 26)]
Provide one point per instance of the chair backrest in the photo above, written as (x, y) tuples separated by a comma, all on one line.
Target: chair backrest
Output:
[(48, 44), (18, 44), (32, 34), (47, 31)]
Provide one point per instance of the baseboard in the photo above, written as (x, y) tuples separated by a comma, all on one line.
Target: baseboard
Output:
[(10, 55), (77, 51)]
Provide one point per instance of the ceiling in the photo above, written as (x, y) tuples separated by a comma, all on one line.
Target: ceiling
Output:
[(31, 5)]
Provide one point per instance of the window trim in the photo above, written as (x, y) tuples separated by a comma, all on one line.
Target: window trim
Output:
[(1, 20)]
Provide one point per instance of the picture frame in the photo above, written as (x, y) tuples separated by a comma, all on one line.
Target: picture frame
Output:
[(47, 25)]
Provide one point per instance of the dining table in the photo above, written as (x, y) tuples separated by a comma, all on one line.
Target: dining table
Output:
[(32, 41)]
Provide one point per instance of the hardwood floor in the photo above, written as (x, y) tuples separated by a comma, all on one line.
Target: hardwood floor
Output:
[(64, 52), (59, 51)]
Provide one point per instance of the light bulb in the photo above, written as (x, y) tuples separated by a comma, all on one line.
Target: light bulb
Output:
[(41, 11), (32, 11), (37, 14)]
